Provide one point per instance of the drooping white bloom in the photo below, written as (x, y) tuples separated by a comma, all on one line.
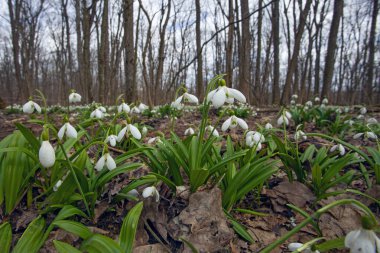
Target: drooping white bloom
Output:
[(224, 94), (346, 109), (363, 110), (349, 122), (134, 193), (142, 107), (212, 130), (296, 245), (178, 106), (316, 100), (372, 121), (254, 139), (340, 148), (105, 160), (46, 154), (30, 106), (69, 130), (189, 131), (98, 112), (135, 110), (233, 122), (268, 126), (112, 140), (300, 134), (74, 97), (151, 192), (339, 111), (57, 185), (362, 241), (360, 116), (325, 101), (123, 107), (294, 96), (309, 103), (292, 102), (186, 98), (288, 115), (129, 128), (282, 120), (154, 139), (369, 135)]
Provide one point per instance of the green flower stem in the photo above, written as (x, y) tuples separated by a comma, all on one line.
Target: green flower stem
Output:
[(45, 105), (75, 178), (316, 215)]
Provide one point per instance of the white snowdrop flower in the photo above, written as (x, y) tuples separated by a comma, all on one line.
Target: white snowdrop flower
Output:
[(296, 245), (134, 193), (358, 135), (362, 241), (349, 122), (224, 94), (46, 154), (97, 113), (189, 131), (30, 106), (69, 130), (178, 106), (142, 107), (129, 128), (309, 103), (295, 96), (151, 192), (154, 140), (316, 100), (306, 108), (112, 140), (340, 148), (371, 135), (363, 110), (372, 121), (268, 126), (254, 139), (135, 110), (325, 101), (361, 116), (292, 102), (123, 107), (105, 160), (233, 122), (282, 120), (288, 115), (74, 97), (144, 130), (57, 185), (186, 98), (346, 109), (339, 111), (212, 130), (300, 135)]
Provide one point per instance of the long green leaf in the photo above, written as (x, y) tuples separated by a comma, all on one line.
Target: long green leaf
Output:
[(5, 237), (31, 239), (63, 247), (129, 228), (100, 244)]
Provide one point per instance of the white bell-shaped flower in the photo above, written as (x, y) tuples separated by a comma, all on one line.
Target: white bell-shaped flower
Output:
[(186, 98), (123, 107), (69, 130), (368, 135), (296, 245), (30, 106), (363, 110), (294, 96), (255, 137), (98, 112), (372, 121), (309, 103), (340, 148), (74, 97), (112, 140), (105, 160), (135, 109), (317, 99), (142, 107), (300, 135), (129, 128), (282, 120), (325, 101), (134, 193), (178, 106), (151, 192), (154, 140), (362, 241), (212, 130), (46, 154), (189, 131), (57, 185), (233, 122), (224, 94), (268, 126)]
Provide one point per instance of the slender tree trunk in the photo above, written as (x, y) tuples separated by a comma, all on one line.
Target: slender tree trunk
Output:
[(276, 51), (199, 49), (258, 56), (245, 51), (103, 57), (331, 47), (230, 40), (129, 60)]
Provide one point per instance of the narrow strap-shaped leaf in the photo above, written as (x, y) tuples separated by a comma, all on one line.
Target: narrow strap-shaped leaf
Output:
[(74, 227), (100, 244), (129, 228), (5, 237), (30, 240), (63, 247)]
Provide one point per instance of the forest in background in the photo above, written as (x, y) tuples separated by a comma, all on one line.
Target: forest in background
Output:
[(147, 49)]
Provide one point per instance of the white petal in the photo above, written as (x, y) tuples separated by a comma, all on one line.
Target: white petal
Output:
[(242, 123), (178, 100), (57, 185), (110, 163), (61, 132), (102, 109), (249, 141), (259, 146), (28, 107), (46, 154), (211, 94), (112, 140), (135, 131), (98, 114), (237, 95), (294, 246), (358, 135), (148, 191), (351, 238), (219, 98), (121, 134), (280, 121), (342, 150), (230, 100), (38, 108), (333, 148), (268, 126), (151, 140), (71, 132), (191, 98), (371, 135), (92, 115), (120, 108), (258, 137), (134, 193), (100, 164), (226, 124), (288, 115)]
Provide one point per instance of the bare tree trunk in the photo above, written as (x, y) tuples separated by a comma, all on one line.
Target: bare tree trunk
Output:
[(199, 49), (129, 60), (230, 39), (245, 51), (297, 45), (103, 57), (331, 47), (276, 51), (371, 55), (258, 56)]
